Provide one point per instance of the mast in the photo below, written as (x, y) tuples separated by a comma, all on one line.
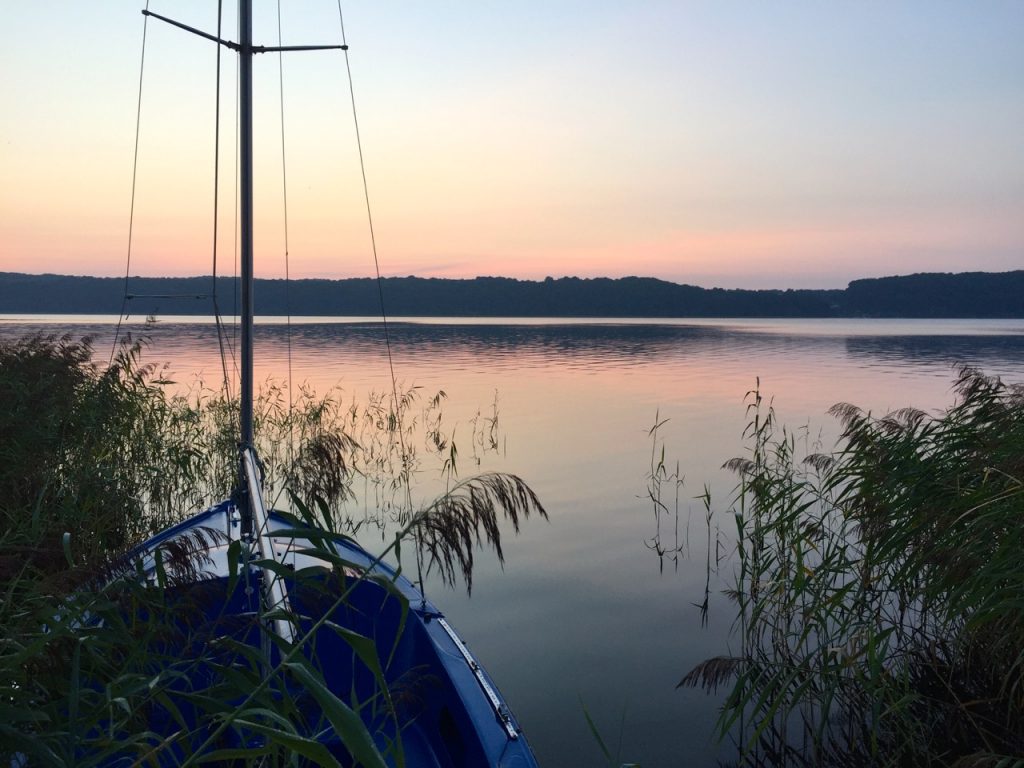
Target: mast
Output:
[(245, 53), (246, 50)]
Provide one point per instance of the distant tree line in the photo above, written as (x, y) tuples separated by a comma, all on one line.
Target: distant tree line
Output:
[(967, 294)]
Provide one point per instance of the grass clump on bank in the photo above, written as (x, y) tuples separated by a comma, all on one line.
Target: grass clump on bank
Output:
[(880, 589), (104, 454)]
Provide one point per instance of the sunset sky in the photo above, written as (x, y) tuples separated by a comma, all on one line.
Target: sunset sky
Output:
[(719, 143)]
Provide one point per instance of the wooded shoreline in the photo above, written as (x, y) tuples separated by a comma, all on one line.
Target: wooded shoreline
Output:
[(925, 295)]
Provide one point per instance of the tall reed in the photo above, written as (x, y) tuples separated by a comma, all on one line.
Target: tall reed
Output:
[(880, 588)]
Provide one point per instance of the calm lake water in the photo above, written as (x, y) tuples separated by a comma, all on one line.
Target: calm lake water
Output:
[(584, 615)]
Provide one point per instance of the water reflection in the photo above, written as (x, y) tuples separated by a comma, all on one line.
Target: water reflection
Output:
[(990, 343), (990, 352)]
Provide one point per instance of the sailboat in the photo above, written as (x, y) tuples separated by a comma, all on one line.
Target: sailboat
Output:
[(371, 671)]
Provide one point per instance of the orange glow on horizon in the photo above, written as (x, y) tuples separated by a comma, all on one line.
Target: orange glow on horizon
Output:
[(161, 244)]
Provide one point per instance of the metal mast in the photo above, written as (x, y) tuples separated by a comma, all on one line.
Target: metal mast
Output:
[(246, 50), (245, 53)]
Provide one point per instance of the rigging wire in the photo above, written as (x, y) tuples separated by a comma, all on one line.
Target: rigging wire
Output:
[(135, 172), (126, 295), (216, 207), (287, 266), (406, 470), (236, 287)]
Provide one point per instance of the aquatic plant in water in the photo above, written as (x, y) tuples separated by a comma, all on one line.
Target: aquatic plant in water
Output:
[(880, 588)]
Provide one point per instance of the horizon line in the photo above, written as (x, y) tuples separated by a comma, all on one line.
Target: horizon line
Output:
[(498, 277)]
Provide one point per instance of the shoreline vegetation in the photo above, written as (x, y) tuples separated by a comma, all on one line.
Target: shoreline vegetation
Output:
[(879, 588), (98, 664), (926, 295)]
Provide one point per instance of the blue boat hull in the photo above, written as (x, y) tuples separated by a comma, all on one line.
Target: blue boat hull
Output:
[(440, 707)]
